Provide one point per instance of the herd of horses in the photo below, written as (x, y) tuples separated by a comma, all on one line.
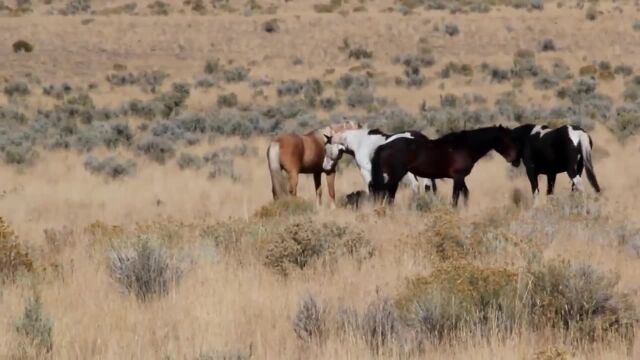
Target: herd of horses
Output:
[(384, 160)]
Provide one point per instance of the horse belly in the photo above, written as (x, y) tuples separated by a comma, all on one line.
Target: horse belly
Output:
[(430, 167)]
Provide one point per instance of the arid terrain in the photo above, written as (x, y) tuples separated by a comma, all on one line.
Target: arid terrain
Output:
[(136, 214)]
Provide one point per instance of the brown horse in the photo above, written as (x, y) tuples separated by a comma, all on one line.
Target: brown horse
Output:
[(302, 154)]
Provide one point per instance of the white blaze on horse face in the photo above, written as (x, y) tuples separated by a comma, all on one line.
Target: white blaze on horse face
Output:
[(398, 136), (331, 155), (539, 130), (574, 135)]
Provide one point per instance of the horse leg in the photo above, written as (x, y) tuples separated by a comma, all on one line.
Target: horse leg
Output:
[(533, 180), (431, 187), (317, 182), (576, 181), (293, 183), (574, 169), (415, 183), (457, 187), (331, 186), (364, 165), (551, 182), (465, 193), (392, 188)]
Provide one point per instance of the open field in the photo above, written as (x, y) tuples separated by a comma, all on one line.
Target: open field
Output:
[(136, 212)]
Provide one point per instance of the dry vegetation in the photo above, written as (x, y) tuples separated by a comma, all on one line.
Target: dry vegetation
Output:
[(136, 218)]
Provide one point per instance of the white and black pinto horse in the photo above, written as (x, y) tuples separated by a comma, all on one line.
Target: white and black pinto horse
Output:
[(362, 144), (548, 151)]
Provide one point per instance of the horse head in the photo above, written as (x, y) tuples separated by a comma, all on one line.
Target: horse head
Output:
[(332, 154), (505, 145)]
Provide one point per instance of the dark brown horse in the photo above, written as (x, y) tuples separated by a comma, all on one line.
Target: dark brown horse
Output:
[(451, 156), (302, 154)]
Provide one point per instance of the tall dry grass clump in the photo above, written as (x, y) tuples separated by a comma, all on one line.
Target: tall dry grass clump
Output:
[(14, 258), (286, 206), (443, 238)]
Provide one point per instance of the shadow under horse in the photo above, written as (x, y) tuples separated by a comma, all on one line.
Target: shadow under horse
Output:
[(452, 156)]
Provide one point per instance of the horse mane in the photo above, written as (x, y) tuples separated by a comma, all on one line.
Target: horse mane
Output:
[(377, 132), (523, 131), (472, 137)]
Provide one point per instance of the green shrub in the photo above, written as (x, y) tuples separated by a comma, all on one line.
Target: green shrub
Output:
[(156, 149), (227, 100), (380, 325), (212, 66), (443, 238), (110, 167), (451, 29), (74, 7), (303, 242), (22, 46), (332, 6), (17, 89), (578, 299), (189, 161), (524, 63), (159, 8), (236, 74), (359, 53), (309, 323), (358, 97), (35, 329), (458, 297), (144, 269), (548, 45)]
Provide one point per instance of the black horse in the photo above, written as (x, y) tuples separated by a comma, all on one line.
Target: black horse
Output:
[(451, 156), (552, 151)]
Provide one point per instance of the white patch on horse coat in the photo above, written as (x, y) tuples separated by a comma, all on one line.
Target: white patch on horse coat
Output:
[(386, 177), (398, 136), (539, 129), (574, 135)]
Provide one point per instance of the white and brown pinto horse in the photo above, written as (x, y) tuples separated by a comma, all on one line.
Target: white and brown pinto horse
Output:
[(302, 154)]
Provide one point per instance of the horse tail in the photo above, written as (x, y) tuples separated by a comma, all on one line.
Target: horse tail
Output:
[(376, 186), (585, 146), (275, 168)]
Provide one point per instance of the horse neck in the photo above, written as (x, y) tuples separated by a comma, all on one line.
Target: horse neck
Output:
[(318, 134), (364, 142), (522, 132), (481, 146), (352, 139)]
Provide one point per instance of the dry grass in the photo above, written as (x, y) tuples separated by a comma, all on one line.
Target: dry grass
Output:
[(73, 274)]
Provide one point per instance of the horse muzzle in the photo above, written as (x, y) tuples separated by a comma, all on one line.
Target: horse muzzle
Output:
[(328, 164)]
